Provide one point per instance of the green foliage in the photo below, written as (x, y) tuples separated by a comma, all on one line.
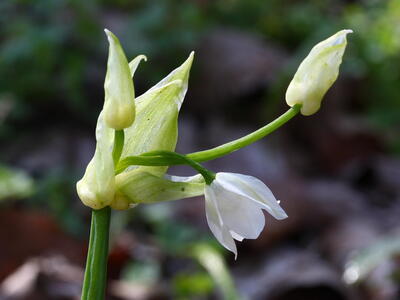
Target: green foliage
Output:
[(14, 184), (144, 272), (182, 240), (377, 58), (44, 53), (192, 285)]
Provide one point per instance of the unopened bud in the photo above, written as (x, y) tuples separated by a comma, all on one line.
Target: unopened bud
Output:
[(119, 105), (316, 74)]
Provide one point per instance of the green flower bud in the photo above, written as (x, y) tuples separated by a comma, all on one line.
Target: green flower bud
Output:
[(97, 187), (119, 105), (317, 73)]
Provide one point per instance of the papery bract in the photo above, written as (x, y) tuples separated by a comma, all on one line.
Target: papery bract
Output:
[(316, 74), (140, 186), (155, 128)]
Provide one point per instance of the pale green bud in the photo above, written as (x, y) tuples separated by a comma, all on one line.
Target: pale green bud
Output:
[(139, 186), (97, 187), (119, 105), (316, 74)]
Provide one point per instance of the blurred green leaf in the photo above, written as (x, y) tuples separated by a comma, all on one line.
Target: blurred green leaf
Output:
[(192, 285), (144, 272), (211, 260), (364, 261), (14, 184)]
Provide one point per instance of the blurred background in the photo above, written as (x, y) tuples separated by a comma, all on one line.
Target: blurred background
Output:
[(336, 172)]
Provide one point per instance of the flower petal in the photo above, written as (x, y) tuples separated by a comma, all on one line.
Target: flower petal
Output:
[(254, 189), (238, 213), (215, 223)]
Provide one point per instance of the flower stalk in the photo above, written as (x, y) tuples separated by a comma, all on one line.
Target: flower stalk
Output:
[(119, 138), (232, 146), (95, 280)]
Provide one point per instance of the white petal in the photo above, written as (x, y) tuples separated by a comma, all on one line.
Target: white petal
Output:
[(254, 189), (215, 223), (193, 179), (240, 214), (236, 236)]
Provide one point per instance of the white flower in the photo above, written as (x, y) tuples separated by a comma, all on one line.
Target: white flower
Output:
[(234, 204)]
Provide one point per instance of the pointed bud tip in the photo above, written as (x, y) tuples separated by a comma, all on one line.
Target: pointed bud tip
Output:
[(343, 33), (189, 60), (110, 36), (346, 31), (107, 32)]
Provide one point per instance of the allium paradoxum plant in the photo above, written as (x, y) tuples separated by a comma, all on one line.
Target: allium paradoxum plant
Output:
[(136, 139)]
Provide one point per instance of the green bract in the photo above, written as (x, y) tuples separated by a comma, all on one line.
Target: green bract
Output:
[(152, 127), (317, 73), (155, 128), (146, 187)]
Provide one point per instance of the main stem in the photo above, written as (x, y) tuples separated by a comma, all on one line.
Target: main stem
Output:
[(95, 280), (94, 283)]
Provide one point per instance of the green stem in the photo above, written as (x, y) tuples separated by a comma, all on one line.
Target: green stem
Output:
[(94, 283), (246, 140), (183, 159), (119, 138)]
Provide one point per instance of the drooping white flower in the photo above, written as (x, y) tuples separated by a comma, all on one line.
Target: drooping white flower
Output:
[(234, 205), (317, 72)]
